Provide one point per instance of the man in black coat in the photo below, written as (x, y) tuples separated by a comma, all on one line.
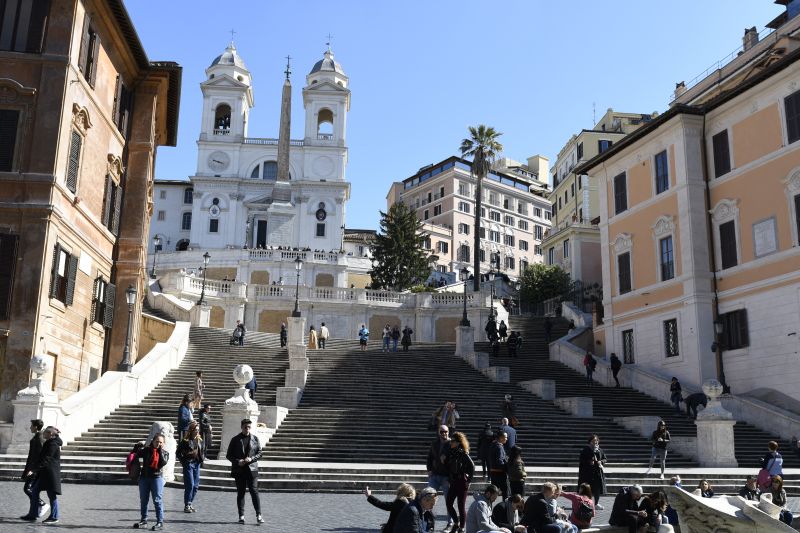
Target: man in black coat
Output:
[(417, 516), (693, 401), (627, 511), (206, 430), (34, 449), (48, 476), (244, 451), (498, 464), (537, 516)]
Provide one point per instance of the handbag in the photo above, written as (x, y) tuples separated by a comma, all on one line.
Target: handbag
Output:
[(764, 477)]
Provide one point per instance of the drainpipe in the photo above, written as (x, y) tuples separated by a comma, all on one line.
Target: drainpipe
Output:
[(717, 345)]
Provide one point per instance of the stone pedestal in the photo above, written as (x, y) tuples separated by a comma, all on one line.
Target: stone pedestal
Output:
[(578, 406), (500, 374), (543, 388), (715, 442), (296, 350), (237, 408), (170, 445), (272, 416), (465, 341), (288, 397), (200, 315), (36, 401), (298, 363), (296, 378), (478, 360), (296, 329)]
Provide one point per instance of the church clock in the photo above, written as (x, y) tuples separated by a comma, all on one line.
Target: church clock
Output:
[(218, 161)]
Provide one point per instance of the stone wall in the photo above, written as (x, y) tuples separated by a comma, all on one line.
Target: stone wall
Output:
[(153, 331)]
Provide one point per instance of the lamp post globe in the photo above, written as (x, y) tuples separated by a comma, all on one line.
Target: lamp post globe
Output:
[(464, 277), (156, 245), (206, 259), (130, 298), (298, 266)]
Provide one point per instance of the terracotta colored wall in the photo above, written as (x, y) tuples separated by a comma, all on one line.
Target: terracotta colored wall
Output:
[(376, 324), (640, 186), (259, 277), (217, 319), (324, 280), (359, 280), (446, 329), (153, 332), (757, 135), (269, 321)]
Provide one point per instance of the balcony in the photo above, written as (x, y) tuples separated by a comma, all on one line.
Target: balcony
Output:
[(225, 131), (551, 233), (263, 141), (324, 136)]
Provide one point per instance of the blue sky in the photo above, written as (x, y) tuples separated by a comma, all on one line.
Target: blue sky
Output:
[(422, 71)]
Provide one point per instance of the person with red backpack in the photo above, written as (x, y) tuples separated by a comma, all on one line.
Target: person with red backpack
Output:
[(132, 463), (590, 363)]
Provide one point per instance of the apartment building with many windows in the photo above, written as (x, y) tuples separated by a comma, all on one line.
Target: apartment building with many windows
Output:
[(514, 212), (573, 241), (700, 227)]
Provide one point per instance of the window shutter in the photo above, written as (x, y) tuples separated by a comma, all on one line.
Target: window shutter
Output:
[(74, 161), (624, 268), (93, 312), (83, 54), (54, 272), (9, 120), (793, 117), (72, 271), (116, 215), (727, 244), (744, 337), (111, 296), (8, 261), (95, 57), (108, 201), (797, 215), (38, 21), (117, 101)]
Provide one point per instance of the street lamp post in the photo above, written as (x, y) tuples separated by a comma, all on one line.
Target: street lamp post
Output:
[(206, 259), (298, 266), (464, 276), (125, 365), (717, 346), (156, 245), (492, 276)]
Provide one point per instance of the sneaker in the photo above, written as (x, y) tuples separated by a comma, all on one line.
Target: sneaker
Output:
[(259, 519), (187, 508), (141, 524), (446, 528), (192, 508), (43, 509), (648, 471), (599, 507), (50, 520), (28, 518), (159, 526), (661, 476), (241, 519)]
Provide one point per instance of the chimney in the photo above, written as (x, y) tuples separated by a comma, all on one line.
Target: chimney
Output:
[(680, 88), (750, 38)]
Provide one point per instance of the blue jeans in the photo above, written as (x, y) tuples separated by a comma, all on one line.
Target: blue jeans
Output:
[(439, 482), (154, 486), (386, 344), (394, 345), (34, 497), (191, 481)]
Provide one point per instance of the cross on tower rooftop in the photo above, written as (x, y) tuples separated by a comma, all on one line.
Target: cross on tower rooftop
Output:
[(288, 70)]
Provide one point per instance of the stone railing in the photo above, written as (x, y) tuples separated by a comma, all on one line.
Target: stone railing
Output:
[(193, 259), (213, 287)]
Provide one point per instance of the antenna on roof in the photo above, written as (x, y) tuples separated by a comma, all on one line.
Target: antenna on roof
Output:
[(328, 43), (594, 117), (232, 32)]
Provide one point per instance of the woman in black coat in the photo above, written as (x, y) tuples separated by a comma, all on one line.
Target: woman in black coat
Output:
[(48, 476), (405, 494), (590, 469)]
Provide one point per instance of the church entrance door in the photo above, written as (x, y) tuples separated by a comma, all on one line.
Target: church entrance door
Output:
[(261, 234)]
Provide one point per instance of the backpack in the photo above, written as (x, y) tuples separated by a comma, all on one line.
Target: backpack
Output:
[(134, 466), (584, 513), (592, 363)]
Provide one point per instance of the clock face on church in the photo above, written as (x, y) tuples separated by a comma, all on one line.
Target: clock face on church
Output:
[(321, 214), (218, 161)]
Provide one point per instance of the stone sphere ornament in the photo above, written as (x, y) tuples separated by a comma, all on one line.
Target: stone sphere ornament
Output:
[(39, 365), (712, 388), (242, 374)]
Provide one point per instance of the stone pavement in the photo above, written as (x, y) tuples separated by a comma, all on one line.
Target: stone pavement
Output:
[(95, 508)]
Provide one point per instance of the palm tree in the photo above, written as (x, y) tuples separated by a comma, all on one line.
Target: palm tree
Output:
[(483, 147)]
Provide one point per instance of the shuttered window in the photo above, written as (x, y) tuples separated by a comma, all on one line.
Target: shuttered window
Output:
[(792, 104), (624, 272), (123, 99), (662, 172), (62, 276), (797, 215), (74, 165), (103, 298), (89, 51), (722, 155), (9, 123), (734, 329), (8, 262), (23, 24), (727, 245), (620, 193)]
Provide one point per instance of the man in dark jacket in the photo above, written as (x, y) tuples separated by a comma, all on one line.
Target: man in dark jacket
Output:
[(750, 491), (151, 481), (438, 475), (34, 449), (205, 427), (498, 464), (693, 401), (244, 451), (284, 335), (510, 432), (47, 472), (626, 511), (506, 514), (537, 516), (417, 516), (484, 442)]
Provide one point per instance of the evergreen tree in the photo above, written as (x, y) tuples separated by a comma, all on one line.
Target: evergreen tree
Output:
[(541, 282), (398, 257)]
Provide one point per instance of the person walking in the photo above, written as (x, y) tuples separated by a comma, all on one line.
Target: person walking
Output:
[(498, 463), (447, 415), (484, 442), (206, 430), (244, 451), (190, 454), (324, 333), (151, 481), (184, 416), (502, 330), (491, 330), (197, 395), (616, 366), (34, 450), (460, 470), (406, 340), (417, 516), (252, 387), (676, 394), (47, 477), (395, 337), (479, 517), (511, 344), (438, 475), (591, 469), (312, 338), (589, 362), (548, 329), (363, 337), (771, 466), (660, 440), (284, 335), (510, 432), (405, 493), (239, 332), (516, 471), (387, 336)]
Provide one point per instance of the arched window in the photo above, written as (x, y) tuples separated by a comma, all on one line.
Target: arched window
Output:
[(222, 120), (325, 124), (256, 172), (186, 221), (270, 170), (182, 245)]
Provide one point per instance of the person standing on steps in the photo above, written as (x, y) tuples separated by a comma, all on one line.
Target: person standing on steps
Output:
[(406, 340), (771, 466), (190, 454), (548, 329), (660, 440), (511, 344), (511, 435), (387, 336), (244, 451), (47, 475), (252, 387), (323, 335), (284, 335), (239, 332), (184, 416), (206, 430), (403, 496), (498, 463), (34, 450), (484, 442), (460, 470), (447, 415), (516, 471), (616, 366), (312, 338), (151, 482), (676, 394), (591, 469), (438, 475), (197, 396), (395, 337), (363, 337), (502, 330), (491, 330), (590, 363)]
